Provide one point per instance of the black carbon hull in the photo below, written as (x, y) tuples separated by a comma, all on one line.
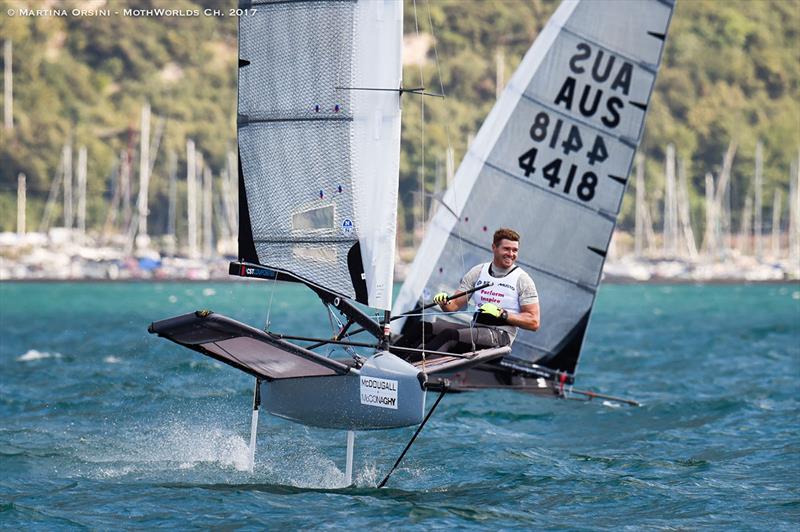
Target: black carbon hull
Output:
[(499, 376)]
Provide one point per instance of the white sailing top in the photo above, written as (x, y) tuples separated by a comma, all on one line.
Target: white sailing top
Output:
[(511, 289)]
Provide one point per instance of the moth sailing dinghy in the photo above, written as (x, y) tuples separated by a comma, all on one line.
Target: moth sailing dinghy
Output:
[(319, 144), (318, 137), (551, 161)]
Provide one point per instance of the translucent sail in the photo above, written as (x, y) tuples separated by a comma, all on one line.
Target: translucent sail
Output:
[(552, 161), (318, 149)]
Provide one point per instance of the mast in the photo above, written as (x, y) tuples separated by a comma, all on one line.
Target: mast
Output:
[(219, 208), (200, 165), (233, 187), (172, 202), (436, 197), (710, 238), (776, 224), (727, 223), (142, 240), (116, 195), (648, 229), (227, 200), (68, 217), (794, 218), (419, 232), (745, 229), (722, 202), (683, 211), (758, 182), (125, 187), (52, 197), (191, 197), (451, 166), (611, 251), (208, 233), (21, 204), (638, 227), (8, 87), (670, 230), (82, 190)]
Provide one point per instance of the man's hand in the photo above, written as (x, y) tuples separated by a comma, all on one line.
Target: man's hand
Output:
[(493, 310), (440, 298)]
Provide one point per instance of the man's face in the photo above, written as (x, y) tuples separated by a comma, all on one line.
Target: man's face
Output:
[(505, 253)]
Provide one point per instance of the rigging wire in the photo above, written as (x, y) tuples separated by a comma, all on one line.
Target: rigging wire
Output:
[(269, 306), (422, 173), (446, 126), (333, 327), (349, 349), (457, 225)]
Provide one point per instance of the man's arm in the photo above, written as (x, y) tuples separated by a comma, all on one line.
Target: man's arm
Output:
[(528, 317), (467, 283), (455, 304)]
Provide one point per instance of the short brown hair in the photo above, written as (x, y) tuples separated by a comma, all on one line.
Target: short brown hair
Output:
[(505, 233)]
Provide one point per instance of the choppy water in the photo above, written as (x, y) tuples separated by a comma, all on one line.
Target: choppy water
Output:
[(105, 426)]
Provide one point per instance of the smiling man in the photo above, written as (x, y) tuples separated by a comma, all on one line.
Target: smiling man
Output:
[(509, 302)]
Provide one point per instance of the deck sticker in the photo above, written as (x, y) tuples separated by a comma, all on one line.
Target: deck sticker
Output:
[(347, 226), (378, 392)]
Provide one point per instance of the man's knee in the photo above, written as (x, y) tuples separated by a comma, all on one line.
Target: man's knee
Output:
[(449, 334), (503, 338), (484, 337)]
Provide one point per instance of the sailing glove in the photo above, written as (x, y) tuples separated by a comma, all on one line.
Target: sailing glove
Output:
[(440, 298), (494, 311)]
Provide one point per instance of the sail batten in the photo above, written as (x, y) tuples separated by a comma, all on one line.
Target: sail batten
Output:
[(248, 120), (644, 65), (611, 216), (319, 163), (576, 119), (551, 161)]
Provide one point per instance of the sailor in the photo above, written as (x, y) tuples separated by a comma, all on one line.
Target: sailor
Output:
[(508, 302)]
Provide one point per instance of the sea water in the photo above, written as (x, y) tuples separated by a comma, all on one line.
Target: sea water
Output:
[(105, 426)]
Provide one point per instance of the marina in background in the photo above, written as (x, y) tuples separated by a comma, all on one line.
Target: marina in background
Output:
[(764, 247), (165, 211)]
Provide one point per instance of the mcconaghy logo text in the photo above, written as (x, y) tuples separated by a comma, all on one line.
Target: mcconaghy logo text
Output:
[(372, 399)]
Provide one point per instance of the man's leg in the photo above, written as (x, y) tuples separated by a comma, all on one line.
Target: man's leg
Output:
[(445, 336), (483, 337), (459, 337)]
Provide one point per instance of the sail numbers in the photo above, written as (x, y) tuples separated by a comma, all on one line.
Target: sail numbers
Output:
[(551, 172), (574, 129), (570, 141)]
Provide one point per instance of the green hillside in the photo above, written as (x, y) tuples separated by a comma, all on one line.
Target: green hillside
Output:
[(731, 72)]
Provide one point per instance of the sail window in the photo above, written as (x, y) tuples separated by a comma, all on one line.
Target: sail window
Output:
[(313, 219)]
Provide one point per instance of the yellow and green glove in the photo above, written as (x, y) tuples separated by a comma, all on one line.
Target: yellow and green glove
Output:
[(493, 310), (440, 298)]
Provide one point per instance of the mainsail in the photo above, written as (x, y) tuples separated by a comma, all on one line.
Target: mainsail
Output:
[(552, 161), (319, 142)]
